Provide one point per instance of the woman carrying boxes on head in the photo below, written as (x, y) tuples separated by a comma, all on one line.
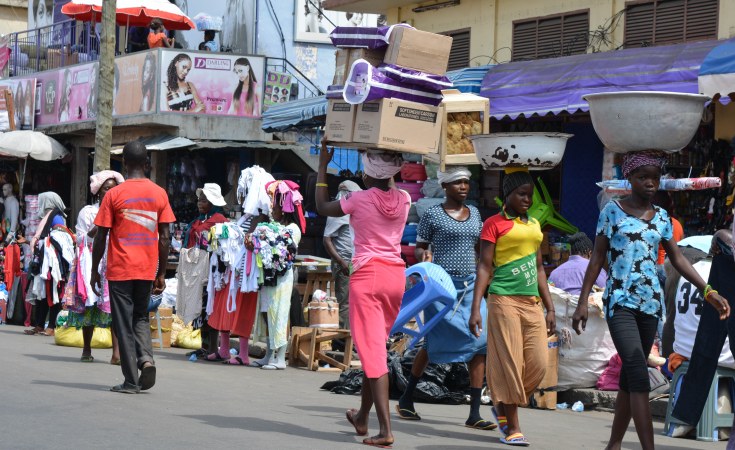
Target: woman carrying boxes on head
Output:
[(511, 265), (378, 216), (453, 230)]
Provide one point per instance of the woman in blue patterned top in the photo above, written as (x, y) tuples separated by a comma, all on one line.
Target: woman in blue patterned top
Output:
[(453, 230), (628, 233)]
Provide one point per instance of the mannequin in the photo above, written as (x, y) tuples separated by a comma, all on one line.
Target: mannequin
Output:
[(12, 210)]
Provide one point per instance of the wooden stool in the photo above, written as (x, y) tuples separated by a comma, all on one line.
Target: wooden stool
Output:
[(306, 348), (315, 281)]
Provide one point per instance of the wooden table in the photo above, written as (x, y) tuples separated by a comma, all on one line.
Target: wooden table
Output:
[(306, 348)]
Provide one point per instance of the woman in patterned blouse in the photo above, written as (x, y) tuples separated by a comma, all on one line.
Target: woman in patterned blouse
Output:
[(453, 230), (628, 233)]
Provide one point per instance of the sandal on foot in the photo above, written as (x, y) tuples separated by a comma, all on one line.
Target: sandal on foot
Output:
[(147, 377), (115, 362), (213, 357), (481, 424), (502, 422), (350, 414), (407, 414), (516, 439), (373, 442), (125, 389), (89, 358), (32, 331), (236, 361)]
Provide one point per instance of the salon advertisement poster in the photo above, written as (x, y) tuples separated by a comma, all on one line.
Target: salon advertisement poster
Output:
[(211, 84), (277, 88), (23, 94), (68, 95), (135, 83)]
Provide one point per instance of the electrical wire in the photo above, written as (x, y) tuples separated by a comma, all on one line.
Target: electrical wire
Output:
[(274, 16)]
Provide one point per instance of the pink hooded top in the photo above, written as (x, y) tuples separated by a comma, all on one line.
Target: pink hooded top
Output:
[(377, 218)]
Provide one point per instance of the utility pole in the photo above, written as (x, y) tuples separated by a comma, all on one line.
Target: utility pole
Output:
[(103, 134)]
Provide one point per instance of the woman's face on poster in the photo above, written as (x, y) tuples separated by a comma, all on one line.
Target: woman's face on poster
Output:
[(41, 13), (242, 72), (182, 69), (67, 83), (147, 70)]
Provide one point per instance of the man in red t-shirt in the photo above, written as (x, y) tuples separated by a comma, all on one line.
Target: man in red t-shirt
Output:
[(136, 217)]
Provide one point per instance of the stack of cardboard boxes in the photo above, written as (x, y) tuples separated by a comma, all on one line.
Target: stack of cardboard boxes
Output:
[(391, 124)]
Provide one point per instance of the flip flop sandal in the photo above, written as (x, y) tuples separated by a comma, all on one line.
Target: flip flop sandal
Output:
[(349, 414), (216, 358), (32, 332), (115, 362), (515, 439), (87, 359), (237, 359), (502, 422), (370, 442), (407, 414), (147, 377), (481, 425)]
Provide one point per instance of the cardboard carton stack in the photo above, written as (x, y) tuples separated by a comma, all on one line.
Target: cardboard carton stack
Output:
[(387, 121)]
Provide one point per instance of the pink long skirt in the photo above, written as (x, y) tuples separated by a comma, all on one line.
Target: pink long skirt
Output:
[(376, 291)]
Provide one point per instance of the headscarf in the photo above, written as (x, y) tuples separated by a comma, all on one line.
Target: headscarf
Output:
[(96, 180), (380, 165), (453, 174), (514, 180), (634, 160), (48, 201), (346, 187)]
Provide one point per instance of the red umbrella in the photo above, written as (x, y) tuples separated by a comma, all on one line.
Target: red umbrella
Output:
[(138, 13)]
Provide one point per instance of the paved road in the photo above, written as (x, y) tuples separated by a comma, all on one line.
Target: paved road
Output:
[(51, 401)]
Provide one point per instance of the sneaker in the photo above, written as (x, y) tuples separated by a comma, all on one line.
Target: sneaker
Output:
[(125, 388)]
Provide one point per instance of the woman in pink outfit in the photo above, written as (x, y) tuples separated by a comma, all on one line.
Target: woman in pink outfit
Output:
[(377, 216)]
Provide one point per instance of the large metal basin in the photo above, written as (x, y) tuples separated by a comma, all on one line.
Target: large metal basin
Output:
[(496, 151), (643, 120)]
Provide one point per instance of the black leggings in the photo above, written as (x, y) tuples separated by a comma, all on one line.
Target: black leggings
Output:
[(42, 309), (633, 332)]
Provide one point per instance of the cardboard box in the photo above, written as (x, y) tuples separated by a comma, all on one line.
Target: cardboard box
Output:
[(545, 395), (340, 121), (418, 50), (324, 314), (55, 60), (345, 57), (398, 125)]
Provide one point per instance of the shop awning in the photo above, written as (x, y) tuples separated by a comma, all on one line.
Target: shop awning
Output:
[(469, 79), (555, 85), (161, 142), (717, 73), (302, 113)]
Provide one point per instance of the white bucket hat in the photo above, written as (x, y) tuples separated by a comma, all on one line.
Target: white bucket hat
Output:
[(213, 193)]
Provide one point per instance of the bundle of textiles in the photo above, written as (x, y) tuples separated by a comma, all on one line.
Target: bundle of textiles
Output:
[(251, 191), (667, 184), (275, 251), (52, 261)]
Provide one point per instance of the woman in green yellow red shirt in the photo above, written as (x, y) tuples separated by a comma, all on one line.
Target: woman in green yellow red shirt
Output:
[(517, 329)]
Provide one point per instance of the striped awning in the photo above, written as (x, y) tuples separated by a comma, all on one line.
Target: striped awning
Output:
[(302, 113), (469, 80), (717, 73)]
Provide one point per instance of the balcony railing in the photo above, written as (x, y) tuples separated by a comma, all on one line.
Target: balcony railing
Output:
[(304, 87), (50, 47)]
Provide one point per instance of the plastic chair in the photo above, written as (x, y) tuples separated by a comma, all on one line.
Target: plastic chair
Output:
[(711, 420), (435, 286)]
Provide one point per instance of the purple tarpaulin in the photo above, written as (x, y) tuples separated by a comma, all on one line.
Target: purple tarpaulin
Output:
[(557, 84)]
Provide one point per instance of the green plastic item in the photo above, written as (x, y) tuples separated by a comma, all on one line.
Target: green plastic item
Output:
[(543, 210)]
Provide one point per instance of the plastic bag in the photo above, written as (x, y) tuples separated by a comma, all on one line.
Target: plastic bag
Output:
[(189, 338), (71, 337)]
